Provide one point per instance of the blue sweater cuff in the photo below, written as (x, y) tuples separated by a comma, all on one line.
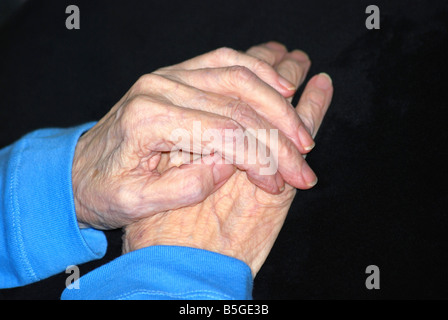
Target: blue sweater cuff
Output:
[(165, 273), (44, 237)]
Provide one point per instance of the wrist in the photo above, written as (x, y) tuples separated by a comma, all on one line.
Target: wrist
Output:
[(137, 236), (82, 213), (168, 229)]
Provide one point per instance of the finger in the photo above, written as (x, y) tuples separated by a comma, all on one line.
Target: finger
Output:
[(294, 66), (285, 154), (314, 102), (271, 52), (157, 126), (225, 57), (240, 83)]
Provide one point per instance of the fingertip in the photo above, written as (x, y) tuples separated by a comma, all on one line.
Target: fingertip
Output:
[(324, 81), (306, 140), (301, 177), (308, 175), (280, 182), (222, 173), (286, 84), (300, 56), (274, 45), (266, 183), (321, 81), (310, 147)]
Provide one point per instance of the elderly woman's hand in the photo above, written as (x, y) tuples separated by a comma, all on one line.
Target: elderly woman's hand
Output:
[(240, 219), (122, 170)]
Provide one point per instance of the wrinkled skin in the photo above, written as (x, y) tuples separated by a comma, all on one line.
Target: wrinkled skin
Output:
[(240, 219), (121, 173)]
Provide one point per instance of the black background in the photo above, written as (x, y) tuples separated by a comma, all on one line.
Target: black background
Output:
[(380, 154)]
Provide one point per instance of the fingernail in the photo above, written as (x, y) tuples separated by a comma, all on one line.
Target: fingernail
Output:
[(280, 182), (308, 175), (286, 84), (305, 138), (323, 81)]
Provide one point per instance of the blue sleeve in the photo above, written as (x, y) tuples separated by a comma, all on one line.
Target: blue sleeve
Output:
[(39, 233), (166, 272)]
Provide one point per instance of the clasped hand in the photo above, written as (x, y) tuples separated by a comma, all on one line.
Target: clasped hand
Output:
[(124, 174)]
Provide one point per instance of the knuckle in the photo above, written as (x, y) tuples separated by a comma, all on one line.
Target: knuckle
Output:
[(134, 107), (148, 77), (261, 65), (225, 52), (145, 80), (163, 70), (257, 51), (240, 75), (242, 113), (195, 188), (137, 110), (126, 200), (145, 83)]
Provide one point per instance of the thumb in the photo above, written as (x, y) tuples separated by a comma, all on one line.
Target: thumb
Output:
[(188, 184)]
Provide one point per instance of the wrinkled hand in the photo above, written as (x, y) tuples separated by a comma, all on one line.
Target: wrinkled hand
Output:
[(240, 219), (122, 170)]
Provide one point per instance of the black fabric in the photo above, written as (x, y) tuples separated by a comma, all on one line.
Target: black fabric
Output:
[(380, 154)]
